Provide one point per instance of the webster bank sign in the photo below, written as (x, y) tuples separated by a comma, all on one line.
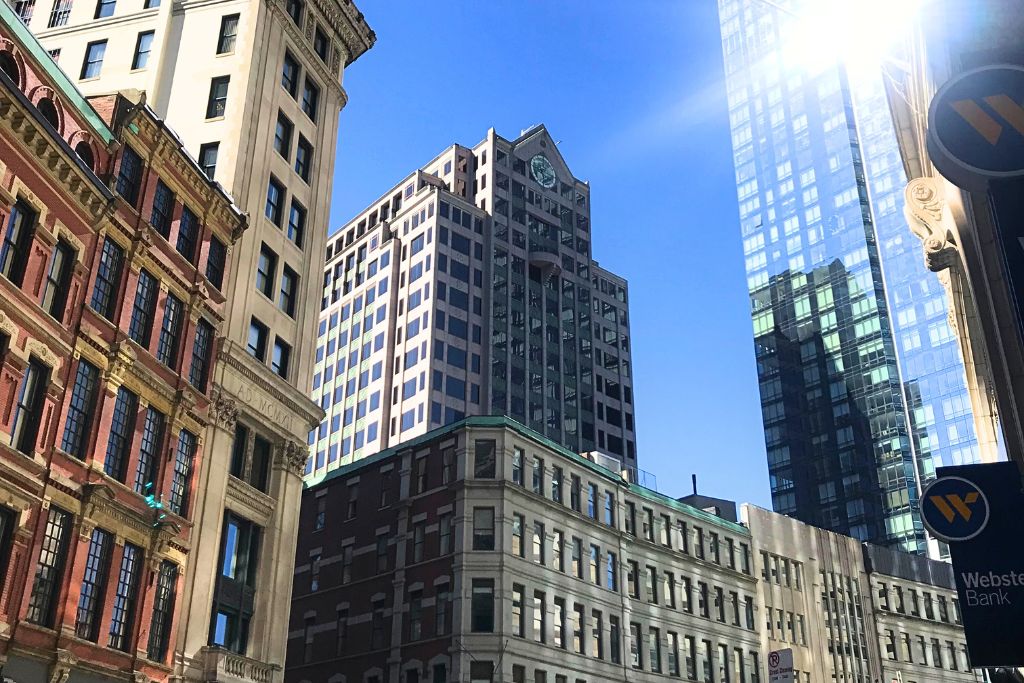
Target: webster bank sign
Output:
[(977, 509)]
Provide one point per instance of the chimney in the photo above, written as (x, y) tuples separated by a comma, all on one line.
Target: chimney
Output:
[(694, 478)]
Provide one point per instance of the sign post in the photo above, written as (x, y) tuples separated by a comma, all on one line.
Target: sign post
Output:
[(976, 509), (780, 666)]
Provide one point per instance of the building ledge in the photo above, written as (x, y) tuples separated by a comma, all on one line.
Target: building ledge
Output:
[(219, 665)]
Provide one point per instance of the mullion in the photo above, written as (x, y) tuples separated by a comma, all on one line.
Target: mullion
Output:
[(94, 581), (124, 598), (152, 436), (122, 426), (50, 568)]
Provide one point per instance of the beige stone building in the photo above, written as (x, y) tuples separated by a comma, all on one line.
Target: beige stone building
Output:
[(253, 90)]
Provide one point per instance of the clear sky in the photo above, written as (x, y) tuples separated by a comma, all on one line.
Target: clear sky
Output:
[(634, 91)]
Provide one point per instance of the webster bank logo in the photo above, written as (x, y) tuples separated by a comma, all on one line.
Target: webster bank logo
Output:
[(954, 509)]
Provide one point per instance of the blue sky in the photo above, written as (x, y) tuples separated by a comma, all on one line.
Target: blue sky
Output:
[(634, 92)]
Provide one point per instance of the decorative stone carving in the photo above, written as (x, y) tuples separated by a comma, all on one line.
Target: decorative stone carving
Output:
[(930, 219), (62, 666), (34, 347), (223, 408), (121, 358), (293, 457), (8, 326)]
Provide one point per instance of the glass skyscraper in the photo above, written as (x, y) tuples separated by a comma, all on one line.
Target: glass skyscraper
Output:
[(862, 385)]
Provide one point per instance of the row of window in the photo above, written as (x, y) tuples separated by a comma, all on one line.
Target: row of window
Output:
[(926, 652), (936, 608)]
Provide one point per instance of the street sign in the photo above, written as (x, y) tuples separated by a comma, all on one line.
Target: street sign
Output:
[(780, 666), (976, 509)]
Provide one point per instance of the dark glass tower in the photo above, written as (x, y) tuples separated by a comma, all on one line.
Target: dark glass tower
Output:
[(862, 385)]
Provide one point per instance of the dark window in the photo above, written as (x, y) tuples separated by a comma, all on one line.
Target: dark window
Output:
[(310, 99), (239, 550), (483, 528), (25, 9), (483, 606), (8, 523), (49, 112), (282, 354), (60, 14), (208, 158), (304, 158), (259, 468), (80, 410), (188, 234), (228, 33), (289, 291), (295, 9), (283, 135), (290, 75), (93, 62), (122, 428), (108, 278), (143, 46), (484, 459), (127, 590), (184, 456), (10, 68), (202, 349), (129, 176), (28, 413), (275, 201), (217, 102), (94, 583), (52, 556), (163, 209), (17, 242), (266, 271), (216, 260), (149, 449), (321, 45), (238, 561), (163, 612), (104, 8), (140, 327), (258, 333), (170, 332), (84, 151), (58, 279), (296, 223)]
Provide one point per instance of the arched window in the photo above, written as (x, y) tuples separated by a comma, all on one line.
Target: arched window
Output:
[(84, 152), (10, 67), (49, 112)]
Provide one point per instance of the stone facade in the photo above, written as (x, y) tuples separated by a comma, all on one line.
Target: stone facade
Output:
[(115, 252)]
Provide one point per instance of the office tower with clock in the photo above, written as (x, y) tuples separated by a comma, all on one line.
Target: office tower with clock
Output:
[(466, 289)]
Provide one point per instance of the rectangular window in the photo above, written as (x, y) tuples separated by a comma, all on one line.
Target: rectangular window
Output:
[(595, 564), (143, 46), (104, 8), (80, 411), (538, 475), (52, 556), (538, 542), (304, 158), (184, 456), (518, 547), (575, 492), (17, 242), (484, 464), (275, 201), (310, 99), (94, 582), (614, 640), (149, 447), (482, 617), (28, 412), (216, 103), (258, 334), (170, 332), (283, 136), (58, 279), (266, 271), (446, 524), (108, 279), (673, 654), (129, 175), (215, 262), (279, 361), (202, 349), (163, 612), (635, 646), (163, 209), (539, 617), (382, 553), (518, 627), (239, 550), (290, 75), (289, 291), (227, 35), (208, 152), (188, 234), (93, 62), (59, 14), (577, 629), (321, 45), (441, 609), (483, 528), (296, 223), (654, 649), (122, 428)]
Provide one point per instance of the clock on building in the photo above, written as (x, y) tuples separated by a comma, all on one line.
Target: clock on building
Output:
[(543, 172)]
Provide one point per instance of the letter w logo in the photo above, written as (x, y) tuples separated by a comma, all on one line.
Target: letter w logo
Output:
[(952, 504), (986, 125)]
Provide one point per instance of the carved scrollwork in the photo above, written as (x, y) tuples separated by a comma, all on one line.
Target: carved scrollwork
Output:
[(121, 358), (294, 456), (223, 408), (62, 665), (929, 218)]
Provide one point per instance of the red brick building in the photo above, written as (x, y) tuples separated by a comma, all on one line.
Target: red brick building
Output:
[(114, 249)]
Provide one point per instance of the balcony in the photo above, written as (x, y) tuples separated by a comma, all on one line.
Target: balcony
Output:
[(219, 666), (546, 258)]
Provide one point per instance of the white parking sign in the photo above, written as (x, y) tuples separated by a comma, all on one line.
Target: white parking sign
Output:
[(780, 666)]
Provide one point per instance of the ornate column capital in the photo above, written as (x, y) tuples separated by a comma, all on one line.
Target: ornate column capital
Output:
[(929, 218), (223, 408), (292, 457)]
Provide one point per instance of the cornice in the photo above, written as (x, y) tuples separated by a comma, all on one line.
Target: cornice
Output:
[(263, 378)]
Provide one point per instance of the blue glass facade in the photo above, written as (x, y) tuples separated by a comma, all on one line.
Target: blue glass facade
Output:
[(862, 386)]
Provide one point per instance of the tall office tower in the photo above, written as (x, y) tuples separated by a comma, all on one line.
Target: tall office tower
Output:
[(469, 289), (862, 384), (253, 90)]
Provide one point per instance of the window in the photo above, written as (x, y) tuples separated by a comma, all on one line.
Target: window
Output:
[(266, 271), (296, 223), (575, 493), (215, 262), (283, 136), (595, 563), (104, 8), (654, 643), (52, 556), (482, 617), (577, 557), (80, 410), (539, 617), (93, 62), (518, 547), (28, 413), (122, 429), (163, 209), (149, 447), (556, 484), (144, 309), (170, 332), (199, 371), (321, 45), (94, 582), (163, 611), (143, 46), (310, 99), (304, 158), (275, 201), (577, 628), (125, 596), (484, 459), (614, 640), (181, 480), (445, 531), (239, 549), (382, 553), (129, 175), (59, 14), (612, 572), (673, 654), (108, 277), (483, 528), (635, 646), (538, 542), (58, 279), (17, 242), (609, 508), (282, 355), (538, 476), (188, 234), (217, 102), (441, 609), (208, 158), (481, 672), (290, 75), (289, 291), (518, 627), (294, 9), (228, 33)]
